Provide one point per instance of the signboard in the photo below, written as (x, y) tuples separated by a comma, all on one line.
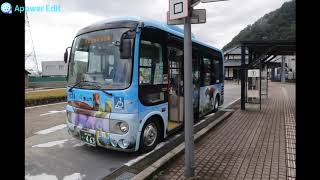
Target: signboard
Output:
[(254, 73), (253, 94), (198, 17), (178, 9)]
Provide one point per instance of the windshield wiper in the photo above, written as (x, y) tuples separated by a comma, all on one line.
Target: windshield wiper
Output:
[(97, 86), (80, 82), (107, 93)]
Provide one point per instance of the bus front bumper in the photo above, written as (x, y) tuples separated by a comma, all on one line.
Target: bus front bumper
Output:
[(118, 142)]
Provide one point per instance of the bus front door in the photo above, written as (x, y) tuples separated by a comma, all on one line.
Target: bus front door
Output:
[(175, 101)]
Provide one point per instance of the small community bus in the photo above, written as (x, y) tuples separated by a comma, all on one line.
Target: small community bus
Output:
[(125, 83)]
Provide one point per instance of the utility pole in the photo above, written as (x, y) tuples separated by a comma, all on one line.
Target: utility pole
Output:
[(188, 94), (30, 57), (182, 12)]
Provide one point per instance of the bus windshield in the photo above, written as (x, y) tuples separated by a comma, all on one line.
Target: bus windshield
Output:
[(95, 57)]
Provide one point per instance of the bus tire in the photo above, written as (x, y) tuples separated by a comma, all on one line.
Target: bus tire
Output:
[(216, 103), (150, 136)]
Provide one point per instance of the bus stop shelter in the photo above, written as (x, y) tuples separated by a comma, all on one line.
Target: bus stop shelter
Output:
[(261, 54)]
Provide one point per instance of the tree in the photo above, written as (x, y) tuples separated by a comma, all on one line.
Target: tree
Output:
[(276, 25)]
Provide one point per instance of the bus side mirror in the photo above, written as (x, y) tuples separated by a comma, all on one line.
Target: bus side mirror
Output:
[(66, 54), (125, 49)]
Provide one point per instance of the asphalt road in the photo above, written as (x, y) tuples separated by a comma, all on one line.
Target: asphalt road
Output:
[(42, 117), (51, 153)]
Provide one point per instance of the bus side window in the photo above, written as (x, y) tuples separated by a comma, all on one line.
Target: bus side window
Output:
[(151, 72), (216, 70), (207, 70), (151, 65)]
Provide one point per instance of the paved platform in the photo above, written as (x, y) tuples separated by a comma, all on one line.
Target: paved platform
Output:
[(251, 144)]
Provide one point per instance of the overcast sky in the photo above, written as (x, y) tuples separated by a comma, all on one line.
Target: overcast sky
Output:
[(53, 32)]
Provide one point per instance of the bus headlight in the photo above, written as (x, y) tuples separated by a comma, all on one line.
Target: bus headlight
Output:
[(124, 127), (118, 127)]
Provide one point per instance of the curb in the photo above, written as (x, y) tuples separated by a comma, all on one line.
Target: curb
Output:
[(153, 168)]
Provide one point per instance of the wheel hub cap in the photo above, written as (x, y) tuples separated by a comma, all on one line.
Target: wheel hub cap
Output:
[(150, 134)]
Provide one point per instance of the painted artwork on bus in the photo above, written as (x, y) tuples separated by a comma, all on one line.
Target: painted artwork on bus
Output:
[(207, 94)]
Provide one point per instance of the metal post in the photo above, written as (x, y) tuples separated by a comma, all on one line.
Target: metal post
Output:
[(188, 107), (246, 58), (282, 70), (243, 78), (249, 81), (260, 84), (267, 78)]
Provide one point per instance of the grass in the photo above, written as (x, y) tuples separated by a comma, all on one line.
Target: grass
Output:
[(57, 93)]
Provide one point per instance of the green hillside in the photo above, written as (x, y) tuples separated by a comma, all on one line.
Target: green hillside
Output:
[(276, 25)]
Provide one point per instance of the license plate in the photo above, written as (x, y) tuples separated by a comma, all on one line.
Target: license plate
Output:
[(88, 137)]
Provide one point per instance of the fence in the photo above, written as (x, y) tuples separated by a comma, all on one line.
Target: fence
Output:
[(36, 82)]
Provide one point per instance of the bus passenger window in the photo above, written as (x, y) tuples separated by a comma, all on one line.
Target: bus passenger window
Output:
[(151, 72), (207, 71), (151, 65), (216, 74)]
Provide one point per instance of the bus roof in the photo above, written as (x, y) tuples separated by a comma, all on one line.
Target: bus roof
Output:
[(151, 23)]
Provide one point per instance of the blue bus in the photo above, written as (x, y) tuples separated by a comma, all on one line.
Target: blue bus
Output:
[(125, 83)]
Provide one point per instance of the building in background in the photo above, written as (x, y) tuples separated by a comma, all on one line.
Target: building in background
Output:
[(289, 68), (54, 68), (232, 63)]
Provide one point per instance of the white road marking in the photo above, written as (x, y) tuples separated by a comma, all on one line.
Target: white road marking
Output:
[(79, 144), (52, 112), (45, 105), (41, 177), (224, 107), (74, 176), (52, 129), (52, 143)]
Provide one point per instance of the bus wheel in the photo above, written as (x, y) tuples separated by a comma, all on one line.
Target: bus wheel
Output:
[(150, 136), (216, 104)]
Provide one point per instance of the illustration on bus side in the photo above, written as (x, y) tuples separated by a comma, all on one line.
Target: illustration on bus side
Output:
[(206, 99), (90, 112)]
